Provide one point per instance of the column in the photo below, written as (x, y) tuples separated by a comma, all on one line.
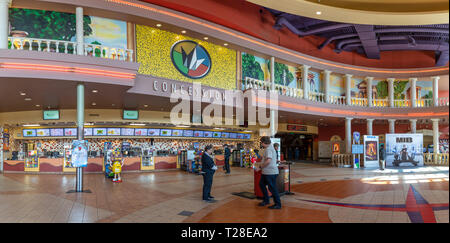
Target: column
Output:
[(80, 136), (391, 125), (348, 85), (369, 91), (326, 77), (413, 92), (391, 91), (435, 137), (4, 23), (413, 125), (305, 70), (370, 126), (348, 135), (79, 30), (273, 125), (436, 90)]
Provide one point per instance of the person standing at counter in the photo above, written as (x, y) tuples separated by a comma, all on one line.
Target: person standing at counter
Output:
[(227, 159), (209, 168), (269, 174)]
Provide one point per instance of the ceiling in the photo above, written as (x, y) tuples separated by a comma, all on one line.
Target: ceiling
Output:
[(371, 12), (369, 40)]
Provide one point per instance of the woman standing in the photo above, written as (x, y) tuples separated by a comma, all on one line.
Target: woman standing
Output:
[(208, 169)]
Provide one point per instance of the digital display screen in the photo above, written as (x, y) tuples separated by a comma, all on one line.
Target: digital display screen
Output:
[(198, 134), (155, 132), (207, 134), (29, 132), (43, 132), (130, 115), (99, 131), (70, 132), (113, 131), (88, 131), (188, 133), (177, 133), (233, 135), (51, 115), (56, 132), (217, 134), (247, 136), (225, 135), (127, 131), (240, 136), (140, 132), (166, 132)]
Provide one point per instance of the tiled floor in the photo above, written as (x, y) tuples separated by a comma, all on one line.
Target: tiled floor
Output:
[(322, 194)]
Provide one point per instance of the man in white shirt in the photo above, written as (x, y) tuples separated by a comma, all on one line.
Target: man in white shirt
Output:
[(269, 174)]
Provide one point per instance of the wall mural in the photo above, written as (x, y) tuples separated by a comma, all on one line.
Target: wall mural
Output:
[(153, 52), (259, 68), (337, 85), (43, 24)]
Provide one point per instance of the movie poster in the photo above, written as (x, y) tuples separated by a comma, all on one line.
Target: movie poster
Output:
[(371, 148), (404, 149)]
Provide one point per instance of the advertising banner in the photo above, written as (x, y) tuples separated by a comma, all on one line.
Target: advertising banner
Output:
[(79, 153), (371, 148), (404, 149)]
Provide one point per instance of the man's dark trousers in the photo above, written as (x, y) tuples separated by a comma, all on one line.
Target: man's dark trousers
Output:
[(227, 164), (207, 183), (271, 182)]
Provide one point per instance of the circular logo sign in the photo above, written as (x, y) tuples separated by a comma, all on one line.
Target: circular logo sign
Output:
[(191, 59)]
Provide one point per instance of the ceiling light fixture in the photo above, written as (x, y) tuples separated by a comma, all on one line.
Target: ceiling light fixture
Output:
[(94, 91), (27, 99), (158, 25), (137, 124), (23, 93), (318, 12), (183, 31), (31, 125), (206, 38), (225, 44), (93, 103)]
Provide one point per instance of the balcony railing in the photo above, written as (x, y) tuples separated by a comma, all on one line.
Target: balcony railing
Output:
[(69, 47), (443, 101), (359, 102), (424, 102), (316, 96), (337, 100), (436, 159), (380, 103), (402, 103)]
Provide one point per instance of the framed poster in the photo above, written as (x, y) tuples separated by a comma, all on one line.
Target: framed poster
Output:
[(404, 149), (371, 148), (79, 153)]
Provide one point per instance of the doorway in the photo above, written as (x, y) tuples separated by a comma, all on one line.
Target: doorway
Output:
[(296, 147)]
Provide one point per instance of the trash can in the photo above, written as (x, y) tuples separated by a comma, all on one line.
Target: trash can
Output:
[(282, 182)]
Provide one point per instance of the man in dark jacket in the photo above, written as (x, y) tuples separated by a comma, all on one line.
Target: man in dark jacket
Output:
[(208, 169), (382, 156), (227, 159)]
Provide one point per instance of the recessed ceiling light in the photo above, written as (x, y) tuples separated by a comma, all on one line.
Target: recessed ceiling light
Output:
[(38, 105), (145, 105), (27, 99), (158, 25), (113, 104), (94, 91), (318, 12), (31, 125), (205, 38), (137, 124), (183, 31), (23, 93), (93, 103)]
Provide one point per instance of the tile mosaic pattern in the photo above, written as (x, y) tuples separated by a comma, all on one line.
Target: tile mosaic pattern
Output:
[(153, 53)]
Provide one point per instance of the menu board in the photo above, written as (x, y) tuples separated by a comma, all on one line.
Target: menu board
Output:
[(225, 135), (217, 134), (247, 136), (140, 132), (113, 131), (43, 132), (177, 133), (29, 132), (127, 131), (155, 132), (188, 133), (70, 132), (240, 136), (233, 135), (198, 134), (88, 131), (99, 131), (207, 134), (166, 132), (56, 132)]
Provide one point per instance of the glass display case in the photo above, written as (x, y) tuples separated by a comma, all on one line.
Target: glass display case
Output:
[(147, 160)]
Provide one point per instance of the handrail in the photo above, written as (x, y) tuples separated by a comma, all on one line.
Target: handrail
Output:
[(337, 100), (436, 159), (380, 103), (359, 101), (402, 103), (424, 102), (69, 47)]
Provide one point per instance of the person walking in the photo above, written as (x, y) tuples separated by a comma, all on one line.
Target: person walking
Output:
[(227, 159), (269, 174), (382, 155), (208, 169)]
